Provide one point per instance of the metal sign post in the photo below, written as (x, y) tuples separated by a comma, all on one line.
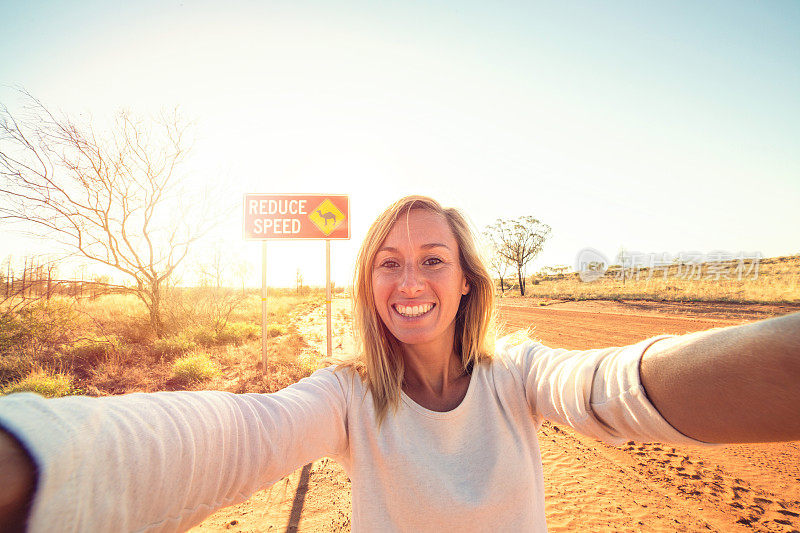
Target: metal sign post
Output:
[(328, 291), (264, 306), (295, 216)]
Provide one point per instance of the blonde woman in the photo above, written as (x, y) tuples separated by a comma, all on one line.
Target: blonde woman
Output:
[(436, 428)]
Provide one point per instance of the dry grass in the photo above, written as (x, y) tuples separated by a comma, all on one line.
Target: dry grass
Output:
[(104, 346), (777, 282), (48, 384)]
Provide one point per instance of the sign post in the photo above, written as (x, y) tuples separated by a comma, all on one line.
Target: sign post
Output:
[(328, 295), (264, 306), (295, 216)]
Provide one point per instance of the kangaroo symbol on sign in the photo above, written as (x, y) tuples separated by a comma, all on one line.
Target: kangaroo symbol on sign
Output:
[(327, 216)]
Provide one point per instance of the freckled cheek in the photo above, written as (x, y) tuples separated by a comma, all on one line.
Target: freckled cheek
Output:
[(446, 278), (381, 289)]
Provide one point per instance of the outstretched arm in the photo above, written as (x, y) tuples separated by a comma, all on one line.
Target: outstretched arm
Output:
[(736, 384), (161, 461)]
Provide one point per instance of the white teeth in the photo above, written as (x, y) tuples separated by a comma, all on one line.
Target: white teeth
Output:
[(416, 310)]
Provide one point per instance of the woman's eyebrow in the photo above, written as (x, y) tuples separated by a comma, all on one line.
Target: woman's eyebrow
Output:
[(434, 245), (427, 246)]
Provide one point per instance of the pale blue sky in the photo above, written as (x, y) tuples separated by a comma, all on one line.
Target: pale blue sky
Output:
[(661, 127)]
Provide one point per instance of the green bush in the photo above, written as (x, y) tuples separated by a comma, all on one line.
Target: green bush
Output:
[(50, 385), (195, 367), (172, 346)]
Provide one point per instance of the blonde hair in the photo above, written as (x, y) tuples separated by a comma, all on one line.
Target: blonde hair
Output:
[(380, 358)]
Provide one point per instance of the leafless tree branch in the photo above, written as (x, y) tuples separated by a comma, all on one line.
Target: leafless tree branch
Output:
[(109, 198)]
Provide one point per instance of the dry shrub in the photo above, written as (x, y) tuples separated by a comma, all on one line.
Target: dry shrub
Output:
[(239, 332), (37, 337), (48, 384), (170, 347), (233, 333), (93, 350), (276, 330), (121, 315), (106, 346), (289, 362), (126, 374), (281, 305), (14, 366), (286, 360), (208, 307), (777, 282), (40, 329), (134, 330)]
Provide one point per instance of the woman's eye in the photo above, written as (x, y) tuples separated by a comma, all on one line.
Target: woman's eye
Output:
[(389, 264), (432, 261)]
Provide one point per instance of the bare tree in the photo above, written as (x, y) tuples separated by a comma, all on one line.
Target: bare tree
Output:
[(518, 241), (114, 199), (497, 262), (243, 270), (211, 271), (212, 301), (17, 296)]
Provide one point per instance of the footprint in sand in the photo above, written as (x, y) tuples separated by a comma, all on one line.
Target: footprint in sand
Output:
[(783, 517), (696, 480), (739, 489)]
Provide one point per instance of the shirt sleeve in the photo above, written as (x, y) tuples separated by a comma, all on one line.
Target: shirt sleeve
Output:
[(597, 392), (164, 461)]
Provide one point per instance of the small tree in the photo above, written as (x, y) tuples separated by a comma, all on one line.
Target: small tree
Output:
[(498, 264), (113, 199), (299, 282), (213, 301), (518, 241), (243, 270)]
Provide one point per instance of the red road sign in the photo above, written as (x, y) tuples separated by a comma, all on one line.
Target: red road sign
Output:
[(296, 216)]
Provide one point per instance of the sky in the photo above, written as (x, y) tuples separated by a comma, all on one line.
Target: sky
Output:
[(649, 126)]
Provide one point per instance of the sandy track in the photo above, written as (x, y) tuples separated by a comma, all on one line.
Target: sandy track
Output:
[(589, 486), (576, 326)]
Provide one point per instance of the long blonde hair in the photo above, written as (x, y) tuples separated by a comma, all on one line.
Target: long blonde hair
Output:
[(380, 358)]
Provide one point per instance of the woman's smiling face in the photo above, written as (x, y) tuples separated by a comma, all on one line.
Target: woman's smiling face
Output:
[(417, 280)]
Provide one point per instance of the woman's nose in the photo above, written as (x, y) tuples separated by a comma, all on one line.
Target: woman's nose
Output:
[(412, 281)]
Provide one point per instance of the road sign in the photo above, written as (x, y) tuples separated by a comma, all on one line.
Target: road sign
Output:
[(296, 216), (327, 217)]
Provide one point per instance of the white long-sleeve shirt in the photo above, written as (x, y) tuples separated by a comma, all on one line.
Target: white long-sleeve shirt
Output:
[(164, 461)]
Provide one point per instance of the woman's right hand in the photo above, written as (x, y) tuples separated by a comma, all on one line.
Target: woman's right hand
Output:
[(17, 481)]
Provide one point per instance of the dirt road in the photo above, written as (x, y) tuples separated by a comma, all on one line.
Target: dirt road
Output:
[(589, 486)]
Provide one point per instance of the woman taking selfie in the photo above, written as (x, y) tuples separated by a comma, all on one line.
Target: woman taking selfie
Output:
[(435, 427)]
